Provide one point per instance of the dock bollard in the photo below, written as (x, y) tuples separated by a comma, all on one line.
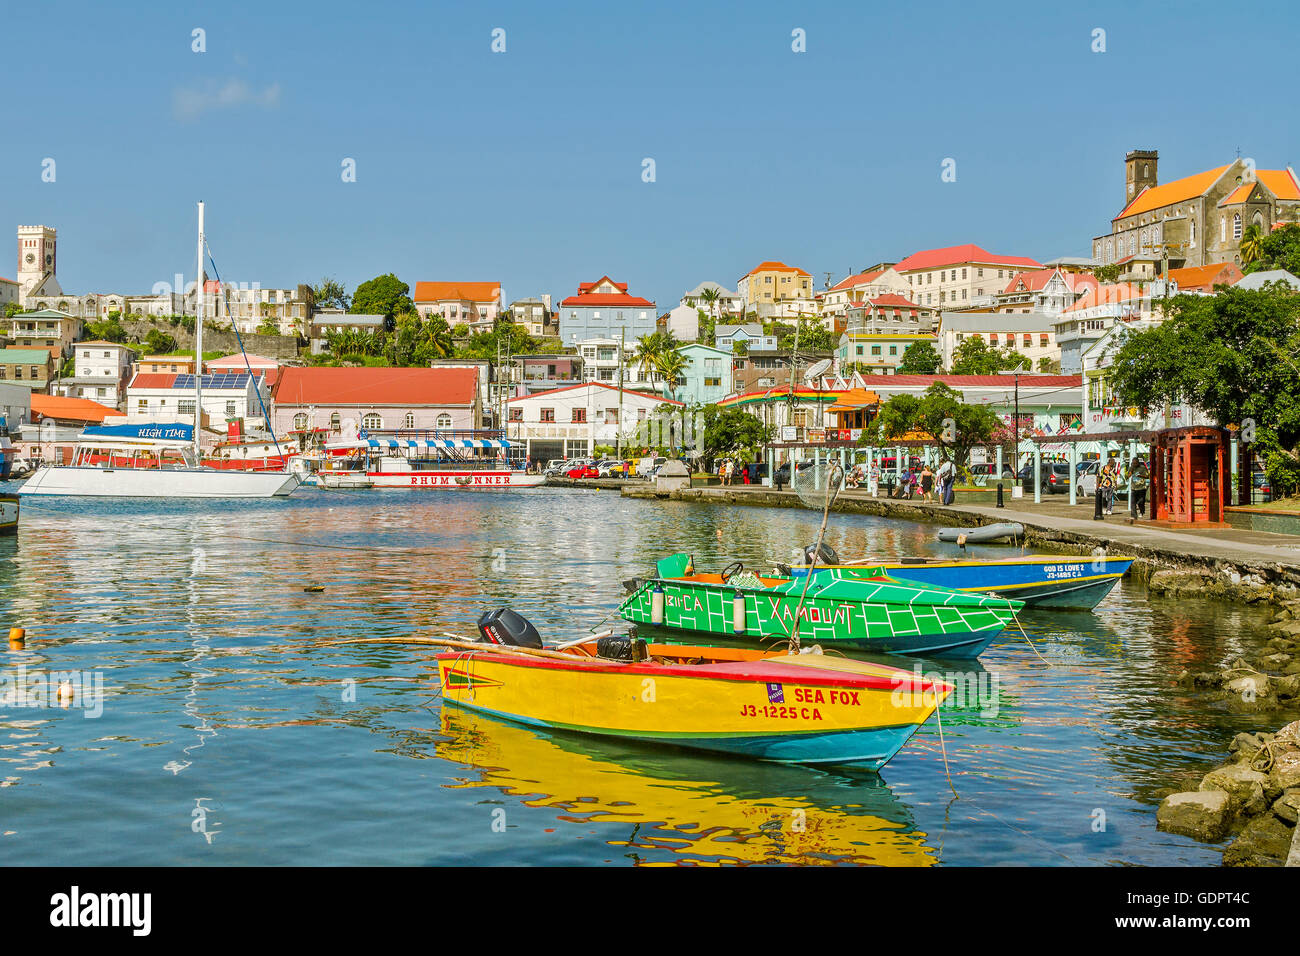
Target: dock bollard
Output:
[(1000, 504), (1096, 509)]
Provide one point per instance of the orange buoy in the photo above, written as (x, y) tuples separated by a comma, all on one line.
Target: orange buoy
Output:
[(17, 638)]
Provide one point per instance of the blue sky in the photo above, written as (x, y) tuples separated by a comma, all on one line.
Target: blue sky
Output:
[(525, 167)]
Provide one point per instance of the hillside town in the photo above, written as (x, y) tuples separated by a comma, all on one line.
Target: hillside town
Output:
[(572, 374)]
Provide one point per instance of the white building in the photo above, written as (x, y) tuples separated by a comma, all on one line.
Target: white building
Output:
[(684, 323), (727, 303), (600, 363), (100, 371), (158, 397), (1032, 335), (9, 292), (250, 307), (571, 422), (726, 336), (861, 287)]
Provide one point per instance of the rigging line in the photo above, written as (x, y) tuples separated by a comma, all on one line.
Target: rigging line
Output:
[(198, 362)]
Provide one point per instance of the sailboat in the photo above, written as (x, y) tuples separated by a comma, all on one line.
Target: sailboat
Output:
[(156, 460)]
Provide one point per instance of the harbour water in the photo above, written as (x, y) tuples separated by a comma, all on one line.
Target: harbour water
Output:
[(229, 736)]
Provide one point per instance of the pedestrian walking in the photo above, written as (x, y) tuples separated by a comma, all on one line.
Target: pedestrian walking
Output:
[(1140, 483), (927, 482), (1107, 480), (944, 476), (873, 480)]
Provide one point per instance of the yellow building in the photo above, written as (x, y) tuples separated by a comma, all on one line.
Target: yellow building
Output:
[(773, 289)]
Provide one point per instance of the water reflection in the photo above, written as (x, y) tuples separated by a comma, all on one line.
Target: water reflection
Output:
[(698, 809)]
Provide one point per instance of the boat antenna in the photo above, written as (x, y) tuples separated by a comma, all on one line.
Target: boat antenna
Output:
[(834, 481), (248, 365), (198, 345)]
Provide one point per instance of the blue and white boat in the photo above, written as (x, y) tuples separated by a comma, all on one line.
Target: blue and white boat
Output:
[(1040, 581)]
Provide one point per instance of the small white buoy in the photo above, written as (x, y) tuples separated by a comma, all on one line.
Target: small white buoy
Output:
[(65, 693)]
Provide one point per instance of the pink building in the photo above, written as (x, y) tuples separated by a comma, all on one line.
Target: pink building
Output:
[(338, 401)]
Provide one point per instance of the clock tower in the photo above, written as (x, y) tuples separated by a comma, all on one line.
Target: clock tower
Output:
[(37, 262)]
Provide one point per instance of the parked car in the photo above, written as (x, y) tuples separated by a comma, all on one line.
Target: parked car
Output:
[(554, 467), (649, 473), (988, 468), (1056, 477), (782, 474), (583, 469), (1088, 481)]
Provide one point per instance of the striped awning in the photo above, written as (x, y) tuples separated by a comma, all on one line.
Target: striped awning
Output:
[(395, 443)]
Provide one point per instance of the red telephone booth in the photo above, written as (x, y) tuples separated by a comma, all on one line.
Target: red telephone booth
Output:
[(1189, 470)]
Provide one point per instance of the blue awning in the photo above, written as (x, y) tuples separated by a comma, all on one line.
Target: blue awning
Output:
[(395, 443)]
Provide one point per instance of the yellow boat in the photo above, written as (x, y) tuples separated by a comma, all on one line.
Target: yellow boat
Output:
[(803, 708)]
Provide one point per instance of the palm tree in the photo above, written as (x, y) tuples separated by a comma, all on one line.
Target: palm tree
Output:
[(711, 297), (1252, 244), (649, 349)]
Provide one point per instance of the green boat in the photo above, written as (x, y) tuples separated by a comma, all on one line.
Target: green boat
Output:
[(858, 609)]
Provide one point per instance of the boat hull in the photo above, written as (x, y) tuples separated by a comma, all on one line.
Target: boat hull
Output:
[(8, 514), (875, 619), (1040, 582), (454, 480), (760, 710), (68, 480)]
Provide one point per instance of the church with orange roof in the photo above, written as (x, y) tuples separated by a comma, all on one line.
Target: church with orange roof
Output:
[(1198, 220)]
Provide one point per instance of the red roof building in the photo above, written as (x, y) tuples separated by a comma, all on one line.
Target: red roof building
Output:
[(343, 400), (460, 303), (959, 277), (605, 310)]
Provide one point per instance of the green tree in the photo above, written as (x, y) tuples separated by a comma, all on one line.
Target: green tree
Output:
[(331, 293), (1252, 244), (939, 412), (505, 338), (730, 431), (813, 337), (159, 342), (1107, 274), (921, 358), (1279, 249), (710, 297), (106, 330), (1049, 365), (670, 365), (976, 357), (708, 329), (1235, 356), (382, 295)]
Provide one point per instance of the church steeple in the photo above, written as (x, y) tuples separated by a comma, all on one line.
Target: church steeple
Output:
[(1139, 172)]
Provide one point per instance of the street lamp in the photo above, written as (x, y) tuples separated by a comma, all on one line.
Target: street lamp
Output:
[(1015, 427)]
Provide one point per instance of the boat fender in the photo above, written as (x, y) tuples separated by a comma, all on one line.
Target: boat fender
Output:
[(825, 554), (504, 626), (815, 649), (783, 570), (738, 612), (657, 605), (621, 649)]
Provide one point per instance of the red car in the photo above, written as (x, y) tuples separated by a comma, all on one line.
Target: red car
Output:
[(586, 471)]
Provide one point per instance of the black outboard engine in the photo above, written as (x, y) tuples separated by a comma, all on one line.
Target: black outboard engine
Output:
[(825, 554), (504, 626)]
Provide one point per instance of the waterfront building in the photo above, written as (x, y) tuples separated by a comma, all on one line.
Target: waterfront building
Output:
[(339, 400), (727, 302), (706, 378), (1032, 334), (775, 290), (476, 304), (570, 422), (227, 397), (602, 358), (604, 309), (879, 280), (1197, 220), (55, 425), (959, 277), (100, 372), (45, 329), (535, 316), (31, 368)]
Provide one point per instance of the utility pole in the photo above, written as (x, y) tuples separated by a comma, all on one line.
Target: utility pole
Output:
[(618, 431)]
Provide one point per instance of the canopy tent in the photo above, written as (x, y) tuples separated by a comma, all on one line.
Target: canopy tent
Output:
[(395, 443)]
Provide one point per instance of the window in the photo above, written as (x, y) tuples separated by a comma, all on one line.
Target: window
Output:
[(1028, 341), (875, 350), (1042, 341), (372, 420), (516, 414), (579, 416), (184, 407), (611, 416), (409, 420), (893, 350), (444, 421), (993, 338), (963, 273), (300, 422), (1223, 228), (230, 409), (335, 422), (712, 383), (548, 415), (1236, 225), (142, 404)]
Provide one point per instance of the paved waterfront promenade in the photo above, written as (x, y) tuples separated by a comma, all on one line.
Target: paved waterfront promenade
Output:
[(1055, 524)]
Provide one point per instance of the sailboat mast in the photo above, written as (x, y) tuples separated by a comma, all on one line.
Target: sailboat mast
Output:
[(198, 344)]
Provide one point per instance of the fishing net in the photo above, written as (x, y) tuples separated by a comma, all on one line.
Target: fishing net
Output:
[(818, 483)]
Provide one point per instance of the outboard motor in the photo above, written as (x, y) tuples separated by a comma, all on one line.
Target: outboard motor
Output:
[(825, 554), (504, 626)]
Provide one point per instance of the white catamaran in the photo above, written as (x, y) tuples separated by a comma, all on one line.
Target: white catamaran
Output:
[(156, 460)]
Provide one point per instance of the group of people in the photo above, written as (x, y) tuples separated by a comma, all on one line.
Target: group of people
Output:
[(922, 483), (728, 470), (1113, 476)]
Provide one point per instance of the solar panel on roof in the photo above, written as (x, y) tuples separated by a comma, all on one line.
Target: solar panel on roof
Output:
[(215, 381)]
